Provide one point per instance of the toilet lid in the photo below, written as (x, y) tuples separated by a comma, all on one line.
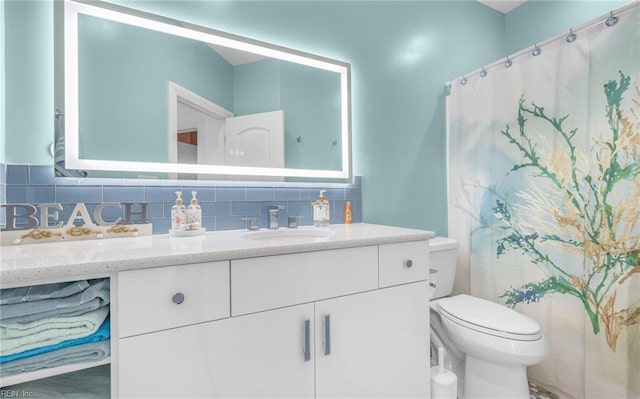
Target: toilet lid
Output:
[(489, 317)]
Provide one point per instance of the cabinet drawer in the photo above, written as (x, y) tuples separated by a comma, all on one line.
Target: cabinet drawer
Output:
[(403, 262), (167, 297), (276, 281)]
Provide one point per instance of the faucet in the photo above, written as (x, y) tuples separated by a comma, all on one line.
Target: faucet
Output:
[(251, 222), (273, 216)]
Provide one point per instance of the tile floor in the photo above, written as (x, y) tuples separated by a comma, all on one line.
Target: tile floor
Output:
[(97, 382), (538, 392)]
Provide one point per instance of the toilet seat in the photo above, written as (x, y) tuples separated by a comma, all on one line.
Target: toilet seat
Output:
[(489, 318)]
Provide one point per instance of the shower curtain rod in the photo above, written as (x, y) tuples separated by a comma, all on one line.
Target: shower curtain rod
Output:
[(537, 46)]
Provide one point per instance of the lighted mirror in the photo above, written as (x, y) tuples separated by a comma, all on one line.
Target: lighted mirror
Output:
[(160, 97)]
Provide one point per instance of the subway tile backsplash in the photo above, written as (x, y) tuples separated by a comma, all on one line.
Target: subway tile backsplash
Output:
[(225, 205)]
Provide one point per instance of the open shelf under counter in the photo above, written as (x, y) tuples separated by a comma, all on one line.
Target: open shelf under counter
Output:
[(49, 372), (88, 383)]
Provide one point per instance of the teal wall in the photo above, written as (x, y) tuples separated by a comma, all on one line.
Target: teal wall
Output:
[(535, 20), (29, 111), (401, 54)]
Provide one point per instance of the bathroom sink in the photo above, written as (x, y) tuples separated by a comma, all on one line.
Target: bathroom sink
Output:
[(287, 234)]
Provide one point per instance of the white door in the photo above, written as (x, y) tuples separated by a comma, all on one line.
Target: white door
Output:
[(255, 356), (209, 149), (255, 140), (378, 344)]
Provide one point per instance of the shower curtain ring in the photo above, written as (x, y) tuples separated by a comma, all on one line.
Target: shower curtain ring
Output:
[(483, 72), (508, 62), (463, 81), (571, 37), (536, 51), (611, 20)]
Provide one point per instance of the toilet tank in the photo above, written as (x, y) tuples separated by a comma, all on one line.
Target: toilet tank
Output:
[(442, 265)]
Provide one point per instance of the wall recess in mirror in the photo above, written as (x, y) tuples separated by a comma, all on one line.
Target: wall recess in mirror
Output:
[(156, 96)]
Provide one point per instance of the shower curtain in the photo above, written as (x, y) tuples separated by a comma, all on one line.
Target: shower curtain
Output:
[(544, 198)]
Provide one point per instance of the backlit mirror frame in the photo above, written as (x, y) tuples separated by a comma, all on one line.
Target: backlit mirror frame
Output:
[(72, 10)]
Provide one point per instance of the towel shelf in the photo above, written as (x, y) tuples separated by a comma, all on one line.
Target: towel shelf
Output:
[(76, 298), (49, 372)]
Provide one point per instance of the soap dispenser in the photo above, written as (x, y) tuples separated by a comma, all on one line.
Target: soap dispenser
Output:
[(178, 213), (321, 211), (194, 213)]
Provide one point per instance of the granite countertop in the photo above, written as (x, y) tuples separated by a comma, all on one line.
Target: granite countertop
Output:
[(32, 264)]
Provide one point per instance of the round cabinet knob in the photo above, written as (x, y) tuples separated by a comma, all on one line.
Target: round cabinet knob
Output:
[(408, 263), (178, 298)]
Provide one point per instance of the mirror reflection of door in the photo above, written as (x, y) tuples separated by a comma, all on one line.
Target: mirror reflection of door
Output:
[(255, 140), (200, 137), (190, 112), (205, 133), (188, 151)]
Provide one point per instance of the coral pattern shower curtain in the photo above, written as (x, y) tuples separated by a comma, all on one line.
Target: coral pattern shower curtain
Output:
[(544, 197)]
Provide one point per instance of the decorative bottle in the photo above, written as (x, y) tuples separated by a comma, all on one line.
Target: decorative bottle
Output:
[(321, 211), (178, 213), (347, 213), (194, 213)]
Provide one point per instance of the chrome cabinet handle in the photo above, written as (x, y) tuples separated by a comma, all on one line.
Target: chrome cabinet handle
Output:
[(178, 298), (307, 341), (327, 335), (432, 271), (408, 263)]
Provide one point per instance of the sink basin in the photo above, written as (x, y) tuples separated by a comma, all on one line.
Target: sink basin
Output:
[(287, 234)]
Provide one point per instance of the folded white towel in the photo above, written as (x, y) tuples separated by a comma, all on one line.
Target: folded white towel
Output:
[(91, 352), (19, 337), (89, 298), (33, 293)]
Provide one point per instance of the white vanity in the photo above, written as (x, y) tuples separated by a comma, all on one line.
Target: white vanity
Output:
[(282, 314)]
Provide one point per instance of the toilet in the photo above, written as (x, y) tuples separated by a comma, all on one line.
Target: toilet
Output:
[(487, 345)]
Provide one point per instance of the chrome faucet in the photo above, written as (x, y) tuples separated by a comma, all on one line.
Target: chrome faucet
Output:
[(273, 216)]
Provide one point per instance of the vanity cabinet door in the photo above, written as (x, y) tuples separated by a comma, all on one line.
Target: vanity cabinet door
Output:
[(378, 344), (260, 355)]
